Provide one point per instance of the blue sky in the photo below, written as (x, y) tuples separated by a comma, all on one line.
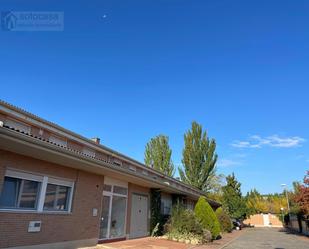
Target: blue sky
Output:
[(129, 70)]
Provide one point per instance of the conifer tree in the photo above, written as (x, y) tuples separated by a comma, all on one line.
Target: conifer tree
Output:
[(233, 201), (207, 217)]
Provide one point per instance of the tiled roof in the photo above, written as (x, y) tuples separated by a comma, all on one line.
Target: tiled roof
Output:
[(4, 103)]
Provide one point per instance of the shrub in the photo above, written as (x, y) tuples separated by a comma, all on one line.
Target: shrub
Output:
[(183, 226), (184, 220), (207, 217), (224, 220)]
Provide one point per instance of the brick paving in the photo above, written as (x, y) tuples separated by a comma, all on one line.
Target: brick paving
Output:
[(250, 238), (156, 243), (144, 243)]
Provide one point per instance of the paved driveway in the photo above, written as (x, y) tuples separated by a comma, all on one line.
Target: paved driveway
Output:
[(258, 238)]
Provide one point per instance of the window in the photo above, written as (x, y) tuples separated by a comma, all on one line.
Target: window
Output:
[(117, 162), (33, 192), (166, 205), (107, 188), (120, 190), (19, 193), (56, 197), (58, 140), (190, 204), (88, 152), (133, 168), (18, 125), (115, 189)]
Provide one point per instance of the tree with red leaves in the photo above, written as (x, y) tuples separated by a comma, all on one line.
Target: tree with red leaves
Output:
[(302, 197)]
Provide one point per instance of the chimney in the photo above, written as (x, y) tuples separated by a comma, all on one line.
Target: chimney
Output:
[(96, 140)]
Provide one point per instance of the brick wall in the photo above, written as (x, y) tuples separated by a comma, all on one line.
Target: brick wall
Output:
[(274, 220), (78, 225), (257, 220)]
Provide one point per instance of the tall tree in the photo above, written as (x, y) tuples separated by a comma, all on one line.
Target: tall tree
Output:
[(158, 155), (233, 201), (199, 158), (302, 195)]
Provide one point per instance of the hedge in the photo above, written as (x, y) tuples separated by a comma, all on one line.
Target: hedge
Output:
[(224, 220), (207, 217)]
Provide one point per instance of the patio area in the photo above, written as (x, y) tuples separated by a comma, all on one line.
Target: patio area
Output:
[(144, 243), (157, 243)]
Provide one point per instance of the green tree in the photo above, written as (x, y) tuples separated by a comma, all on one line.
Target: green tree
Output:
[(158, 155), (270, 203), (207, 217), (199, 158), (215, 185), (255, 203), (233, 202)]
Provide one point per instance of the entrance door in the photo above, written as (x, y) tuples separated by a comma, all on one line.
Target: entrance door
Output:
[(118, 217), (139, 216), (114, 209), (104, 225), (266, 220)]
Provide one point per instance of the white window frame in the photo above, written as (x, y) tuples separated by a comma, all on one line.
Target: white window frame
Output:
[(44, 180), (24, 176), (58, 182)]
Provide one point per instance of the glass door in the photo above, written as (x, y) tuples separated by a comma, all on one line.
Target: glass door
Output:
[(105, 215), (114, 208), (118, 215)]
